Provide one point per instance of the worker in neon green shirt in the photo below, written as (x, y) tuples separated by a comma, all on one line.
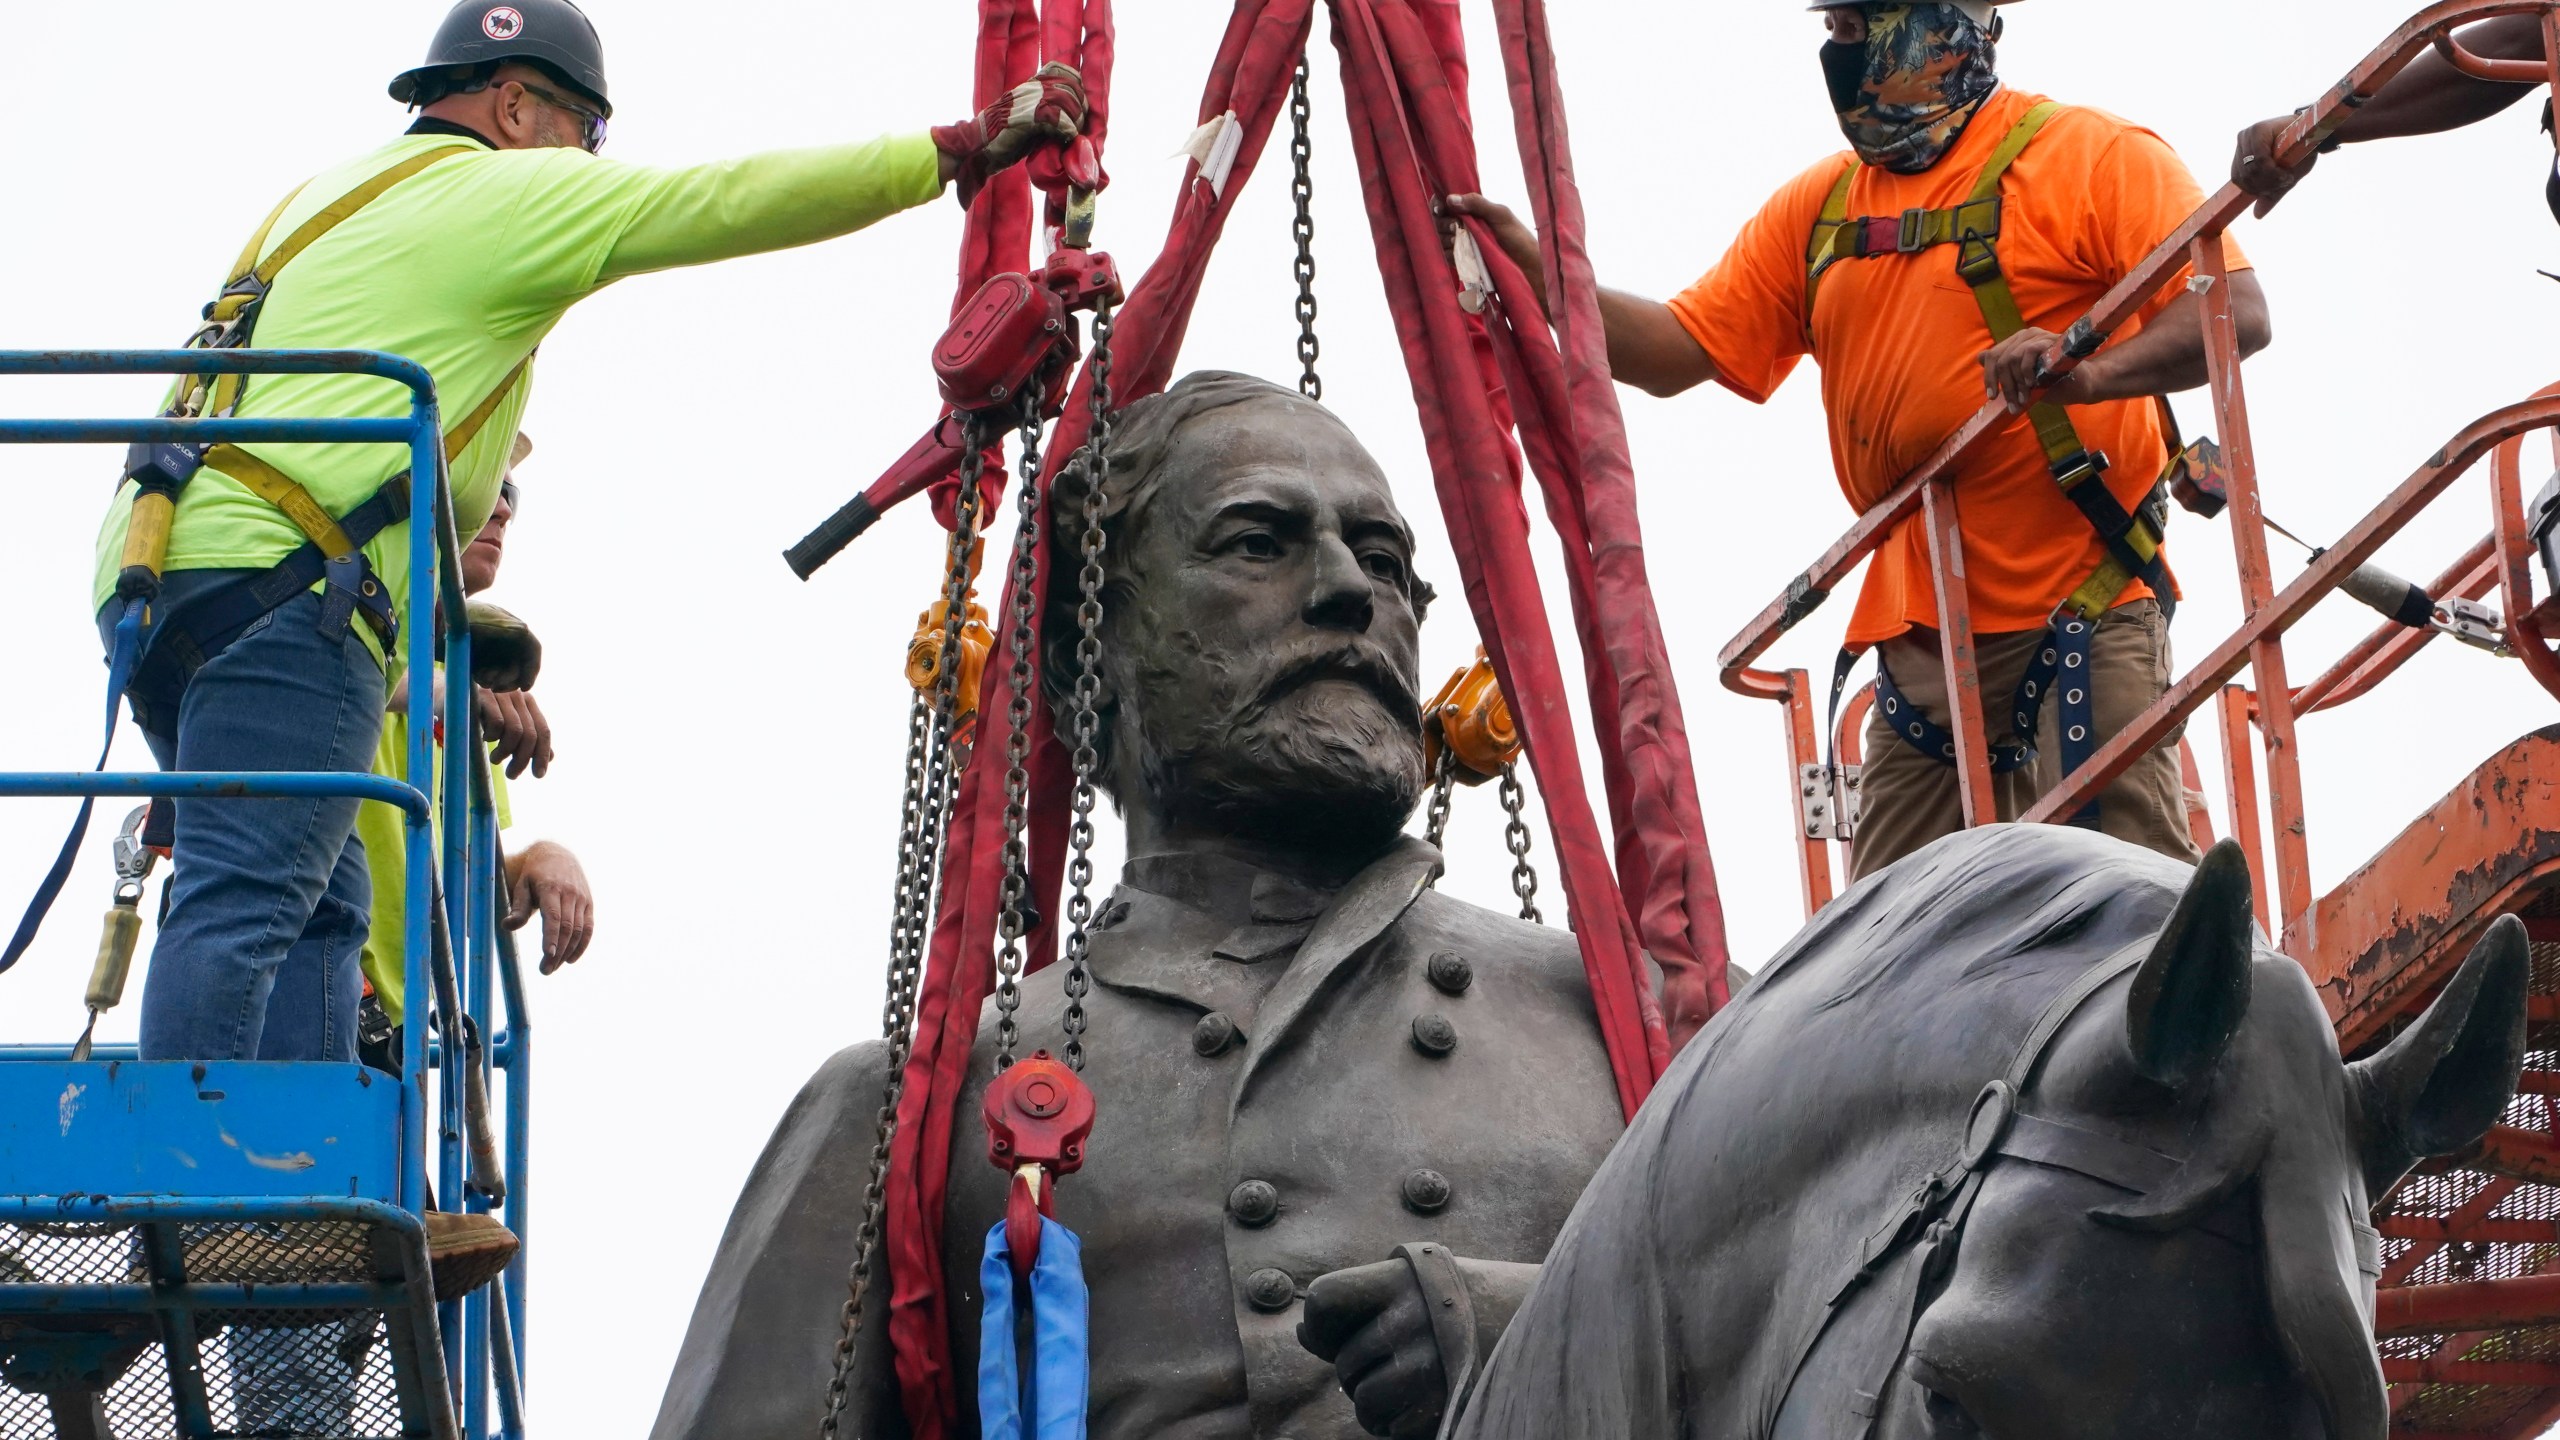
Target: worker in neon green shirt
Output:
[(508, 219)]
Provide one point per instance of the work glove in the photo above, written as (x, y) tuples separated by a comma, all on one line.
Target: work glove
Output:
[(1048, 108), (505, 653)]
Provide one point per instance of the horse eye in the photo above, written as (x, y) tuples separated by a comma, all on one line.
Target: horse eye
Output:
[(1946, 1417)]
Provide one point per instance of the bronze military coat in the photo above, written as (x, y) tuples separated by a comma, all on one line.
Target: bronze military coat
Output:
[(1290, 1083)]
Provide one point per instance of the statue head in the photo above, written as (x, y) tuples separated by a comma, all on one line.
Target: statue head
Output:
[(1260, 636)]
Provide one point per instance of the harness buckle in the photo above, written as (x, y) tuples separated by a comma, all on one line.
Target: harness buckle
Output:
[(1915, 229), (2078, 467)]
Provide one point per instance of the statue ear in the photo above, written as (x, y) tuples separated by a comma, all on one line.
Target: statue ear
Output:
[(2189, 997), (2440, 1085)]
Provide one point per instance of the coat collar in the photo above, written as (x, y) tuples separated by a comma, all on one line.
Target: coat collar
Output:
[(1375, 899), (1204, 931)]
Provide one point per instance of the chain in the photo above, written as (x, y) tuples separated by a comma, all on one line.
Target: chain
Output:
[(1515, 836), (1443, 783), (896, 1014), (1017, 744), (924, 818), (1302, 189), (1085, 723)]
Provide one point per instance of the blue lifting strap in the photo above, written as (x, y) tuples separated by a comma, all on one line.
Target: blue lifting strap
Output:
[(130, 632), (1061, 1344)]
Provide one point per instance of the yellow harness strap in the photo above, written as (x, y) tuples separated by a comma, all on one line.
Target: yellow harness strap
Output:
[(154, 515), (252, 277), (1973, 227), (281, 490)]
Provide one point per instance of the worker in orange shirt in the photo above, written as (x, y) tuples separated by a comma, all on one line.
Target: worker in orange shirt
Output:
[(1925, 272)]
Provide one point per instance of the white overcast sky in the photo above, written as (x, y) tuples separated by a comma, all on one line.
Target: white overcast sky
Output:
[(730, 738)]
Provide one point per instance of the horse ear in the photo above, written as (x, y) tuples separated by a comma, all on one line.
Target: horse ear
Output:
[(2189, 997), (2444, 1081)]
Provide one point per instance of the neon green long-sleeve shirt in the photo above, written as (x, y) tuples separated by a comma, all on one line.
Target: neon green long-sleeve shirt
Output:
[(464, 268)]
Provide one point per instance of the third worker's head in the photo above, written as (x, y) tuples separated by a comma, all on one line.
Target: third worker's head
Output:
[(1906, 79), (488, 549)]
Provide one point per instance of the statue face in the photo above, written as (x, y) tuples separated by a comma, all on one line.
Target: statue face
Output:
[(1265, 661)]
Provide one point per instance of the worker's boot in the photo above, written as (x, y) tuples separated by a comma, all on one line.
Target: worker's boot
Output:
[(466, 1251)]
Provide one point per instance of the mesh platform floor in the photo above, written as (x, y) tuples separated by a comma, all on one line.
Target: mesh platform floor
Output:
[(2486, 1410), (325, 1375)]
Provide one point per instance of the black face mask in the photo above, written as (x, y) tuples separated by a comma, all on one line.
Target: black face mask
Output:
[(1845, 68)]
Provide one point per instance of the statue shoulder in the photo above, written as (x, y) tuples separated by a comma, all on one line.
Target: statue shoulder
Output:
[(847, 1085), (1489, 938)]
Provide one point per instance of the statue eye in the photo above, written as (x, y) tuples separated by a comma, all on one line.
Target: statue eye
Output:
[(1383, 566), (1260, 544)]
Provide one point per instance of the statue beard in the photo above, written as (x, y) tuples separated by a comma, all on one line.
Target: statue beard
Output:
[(1320, 752)]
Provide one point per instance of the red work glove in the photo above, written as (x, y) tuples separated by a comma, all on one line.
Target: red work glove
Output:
[(1048, 108)]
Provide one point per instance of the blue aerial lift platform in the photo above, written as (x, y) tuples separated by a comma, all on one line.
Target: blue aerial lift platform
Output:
[(234, 1249)]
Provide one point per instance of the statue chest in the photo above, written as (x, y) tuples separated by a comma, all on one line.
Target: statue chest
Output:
[(1259, 1128)]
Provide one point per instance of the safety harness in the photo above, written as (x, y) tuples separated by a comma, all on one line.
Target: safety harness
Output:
[(155, 655), (2132, 539)]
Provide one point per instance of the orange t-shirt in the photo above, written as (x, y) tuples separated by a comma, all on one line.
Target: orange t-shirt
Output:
[(1898, 338)]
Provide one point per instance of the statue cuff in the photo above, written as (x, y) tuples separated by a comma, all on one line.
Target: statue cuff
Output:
[(1452, 1311)]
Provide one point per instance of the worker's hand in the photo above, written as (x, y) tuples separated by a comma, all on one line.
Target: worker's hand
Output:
[(2010, 370), (2254, 169), (1371, 1324), (518, 733), (505, 653), (546, 878), (1509, 231), (1047, 109)]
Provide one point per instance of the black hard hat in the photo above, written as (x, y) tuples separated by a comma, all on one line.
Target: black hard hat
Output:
[(552, 33)]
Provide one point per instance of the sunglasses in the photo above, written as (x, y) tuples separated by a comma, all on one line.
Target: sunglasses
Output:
[(515, 500), (590, 120)]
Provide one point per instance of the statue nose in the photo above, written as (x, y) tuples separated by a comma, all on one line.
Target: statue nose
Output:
[(1340, 598)]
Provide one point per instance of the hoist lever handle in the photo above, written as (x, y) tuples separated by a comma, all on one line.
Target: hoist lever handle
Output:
[(928, 460)]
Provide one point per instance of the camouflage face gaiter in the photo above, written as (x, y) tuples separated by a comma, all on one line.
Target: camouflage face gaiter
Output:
[(1905, 95)]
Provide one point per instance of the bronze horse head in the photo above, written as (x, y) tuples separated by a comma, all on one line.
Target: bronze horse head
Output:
[(2031, 1136)]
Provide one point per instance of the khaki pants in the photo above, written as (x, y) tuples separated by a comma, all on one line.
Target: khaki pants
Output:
[(1912, 799)]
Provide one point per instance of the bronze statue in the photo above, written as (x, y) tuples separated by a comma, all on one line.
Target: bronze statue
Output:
[(2028, 1135), (1305, 1057)]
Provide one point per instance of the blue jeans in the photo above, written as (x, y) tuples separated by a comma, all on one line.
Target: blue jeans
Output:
[(269, 899)]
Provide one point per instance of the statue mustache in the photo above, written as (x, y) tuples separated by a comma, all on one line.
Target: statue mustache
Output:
[(1363, 665)]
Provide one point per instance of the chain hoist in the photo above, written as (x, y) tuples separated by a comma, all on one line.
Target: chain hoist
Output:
[(924, 818), (1302, 189), (1016, 920), (1038, 1110), (1468, 738)]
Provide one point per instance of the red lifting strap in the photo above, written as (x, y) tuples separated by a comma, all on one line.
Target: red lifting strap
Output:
[(1404, 72)]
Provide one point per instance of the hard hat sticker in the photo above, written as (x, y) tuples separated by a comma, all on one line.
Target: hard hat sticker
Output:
[(505, 22)]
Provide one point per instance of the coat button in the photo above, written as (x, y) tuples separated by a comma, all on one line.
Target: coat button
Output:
[(1254, 1203), (1450, 971), (1433, 1035), (1270, 1291), (1214, 1035), (1426, 1192)]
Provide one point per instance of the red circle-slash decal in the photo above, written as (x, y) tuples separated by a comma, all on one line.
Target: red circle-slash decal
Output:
[(505, 22)]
